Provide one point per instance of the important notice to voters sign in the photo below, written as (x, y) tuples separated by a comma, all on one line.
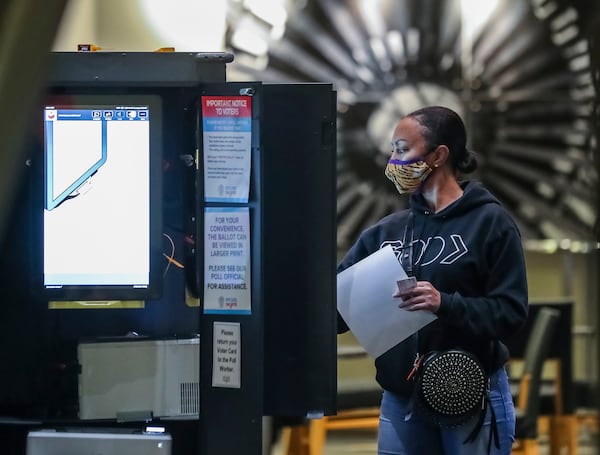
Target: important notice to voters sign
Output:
[(227, 260), (227, 134)]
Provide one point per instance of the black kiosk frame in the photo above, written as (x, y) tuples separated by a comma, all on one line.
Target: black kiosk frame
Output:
[(288, 336)]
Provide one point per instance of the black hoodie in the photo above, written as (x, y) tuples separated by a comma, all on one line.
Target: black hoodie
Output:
[(472, 254)]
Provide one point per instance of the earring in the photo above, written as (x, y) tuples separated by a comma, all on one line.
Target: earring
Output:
[(435, 165)]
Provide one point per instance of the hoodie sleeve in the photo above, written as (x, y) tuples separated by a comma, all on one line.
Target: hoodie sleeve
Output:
[(503, 308)]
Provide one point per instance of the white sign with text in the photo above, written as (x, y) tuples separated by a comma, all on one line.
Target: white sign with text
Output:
[(227, 285), (227, 138), (226, 355)]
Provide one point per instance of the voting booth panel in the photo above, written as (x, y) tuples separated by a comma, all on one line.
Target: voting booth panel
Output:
[(299, 226), (290, 212), (240, 245)]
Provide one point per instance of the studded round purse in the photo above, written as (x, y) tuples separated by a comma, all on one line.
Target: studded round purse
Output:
[(450, 386)]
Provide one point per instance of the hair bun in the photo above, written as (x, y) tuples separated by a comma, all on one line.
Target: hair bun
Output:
[(469, 162)]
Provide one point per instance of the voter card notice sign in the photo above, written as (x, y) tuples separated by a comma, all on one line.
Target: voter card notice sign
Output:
[(227, 260), (226, 137), (227, 355)]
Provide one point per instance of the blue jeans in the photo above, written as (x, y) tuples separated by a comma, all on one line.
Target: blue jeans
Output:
[(416, 436)]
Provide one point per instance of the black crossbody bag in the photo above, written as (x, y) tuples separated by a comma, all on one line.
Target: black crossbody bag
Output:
[(451, 386)]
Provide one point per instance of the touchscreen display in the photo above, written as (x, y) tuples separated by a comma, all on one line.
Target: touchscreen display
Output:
[(97, 195)]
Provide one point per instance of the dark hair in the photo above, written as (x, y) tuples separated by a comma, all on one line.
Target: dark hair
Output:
[(443, 126)]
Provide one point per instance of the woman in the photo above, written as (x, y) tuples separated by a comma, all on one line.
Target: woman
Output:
[(466, 254)]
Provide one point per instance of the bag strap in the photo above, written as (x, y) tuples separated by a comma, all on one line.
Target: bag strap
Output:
[(407, 249), (493, 425), (486, 401)]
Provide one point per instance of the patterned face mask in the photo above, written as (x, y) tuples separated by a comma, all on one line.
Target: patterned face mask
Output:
[(407, 175)]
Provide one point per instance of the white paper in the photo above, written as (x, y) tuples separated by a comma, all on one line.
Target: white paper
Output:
[(364, 299)]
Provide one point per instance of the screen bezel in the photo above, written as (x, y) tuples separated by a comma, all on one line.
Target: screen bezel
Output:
[(98, 291)]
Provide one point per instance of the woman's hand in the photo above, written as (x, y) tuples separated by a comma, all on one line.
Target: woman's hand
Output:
[(423, 296)]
